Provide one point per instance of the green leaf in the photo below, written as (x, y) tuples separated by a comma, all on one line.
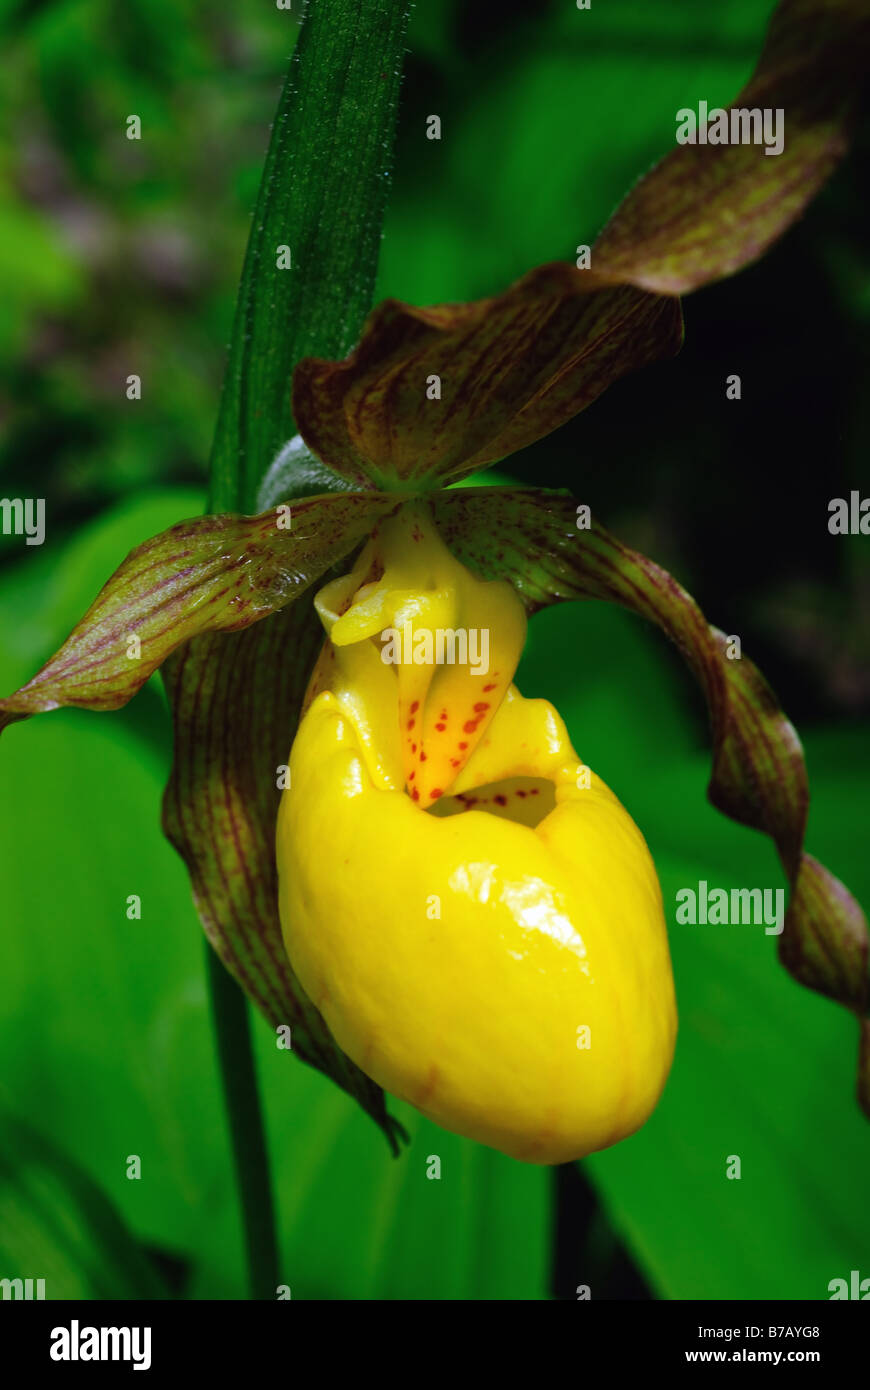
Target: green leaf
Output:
[(357, 1224), (107, 1016), (295, 472), (322, 196), (758, 777), (56, 1225)]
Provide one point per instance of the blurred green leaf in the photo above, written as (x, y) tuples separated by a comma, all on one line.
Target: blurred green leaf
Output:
[(57, 1226), (595, 658), (430, 31), (38, 273), (357, 1224), (118, 1053), (563, 124)]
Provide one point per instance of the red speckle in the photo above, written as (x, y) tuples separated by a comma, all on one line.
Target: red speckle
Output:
[(441, 728), (462, 747), (454, 762), (422, 756), (415, 706), (436, 793), (411, 723), (443, 714), (500, 800), (479, 708), (488, 688), (469, 726), (413, 747), (412, 776), (520, 792), (415, 794), (534, 791)]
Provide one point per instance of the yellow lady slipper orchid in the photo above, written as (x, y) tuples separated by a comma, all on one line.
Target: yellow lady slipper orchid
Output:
[(472, 910)]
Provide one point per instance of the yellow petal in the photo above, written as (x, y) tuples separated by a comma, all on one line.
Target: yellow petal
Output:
[(449, 647)]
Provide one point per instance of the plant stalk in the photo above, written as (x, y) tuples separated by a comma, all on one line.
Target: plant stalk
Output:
[(232, 1027)]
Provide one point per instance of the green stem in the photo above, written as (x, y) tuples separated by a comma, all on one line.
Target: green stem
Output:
[(232, 1027)]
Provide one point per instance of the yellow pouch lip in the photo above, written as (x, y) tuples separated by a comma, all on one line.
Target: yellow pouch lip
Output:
[(379, 988)]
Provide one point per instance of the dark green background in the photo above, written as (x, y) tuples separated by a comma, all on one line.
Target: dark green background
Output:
[(120, 257)]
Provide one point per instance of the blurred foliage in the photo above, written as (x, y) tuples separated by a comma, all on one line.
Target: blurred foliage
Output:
[(54, 1220), (123, 257)]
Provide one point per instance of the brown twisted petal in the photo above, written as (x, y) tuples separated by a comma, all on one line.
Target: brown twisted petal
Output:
[(758, 778), (216, 573), (513, 368), (510, 369), (235, 701), (708, 210)]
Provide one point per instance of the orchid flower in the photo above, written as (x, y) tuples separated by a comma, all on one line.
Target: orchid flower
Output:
[(404, 860)]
